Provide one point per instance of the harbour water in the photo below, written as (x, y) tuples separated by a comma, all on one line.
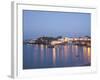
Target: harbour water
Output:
[(68, 55)]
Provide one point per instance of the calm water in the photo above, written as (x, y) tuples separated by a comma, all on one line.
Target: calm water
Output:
[(40, 56)]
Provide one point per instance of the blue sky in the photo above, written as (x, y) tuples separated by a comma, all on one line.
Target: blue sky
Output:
[(47, 23)]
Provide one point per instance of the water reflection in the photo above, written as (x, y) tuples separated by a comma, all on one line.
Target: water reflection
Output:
[(54, 56), (41, 53), (40, 56)]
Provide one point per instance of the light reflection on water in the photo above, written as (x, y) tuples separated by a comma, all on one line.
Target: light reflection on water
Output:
[(40, 56)]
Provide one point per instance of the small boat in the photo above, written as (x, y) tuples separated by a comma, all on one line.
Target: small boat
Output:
[(50, 46), (78, 55)]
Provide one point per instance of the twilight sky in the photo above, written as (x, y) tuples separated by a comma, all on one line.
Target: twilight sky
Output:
[(46, 23)]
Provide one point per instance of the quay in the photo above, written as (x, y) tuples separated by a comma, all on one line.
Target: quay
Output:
[(52, 42)]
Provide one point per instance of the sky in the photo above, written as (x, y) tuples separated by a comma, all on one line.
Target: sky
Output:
[(53, 24)]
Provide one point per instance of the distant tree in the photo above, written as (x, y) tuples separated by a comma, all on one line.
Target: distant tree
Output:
[(59, 37), (88, 36)]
